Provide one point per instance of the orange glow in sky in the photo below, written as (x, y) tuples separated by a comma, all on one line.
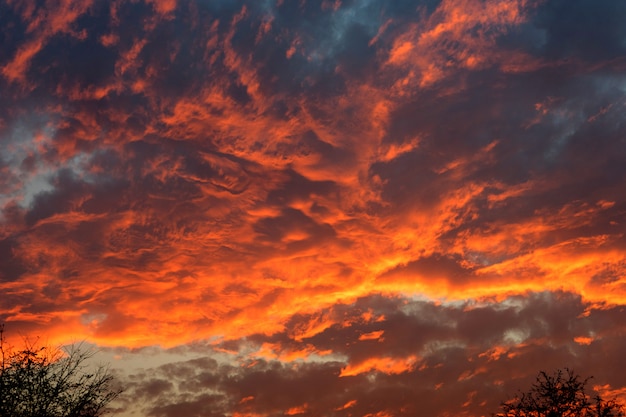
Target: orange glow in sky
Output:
[(339, 208)]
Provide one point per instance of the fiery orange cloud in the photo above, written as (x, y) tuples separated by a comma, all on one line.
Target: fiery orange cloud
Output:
[(43, 24), (380, 201), (497, 352), (385, 365), (347, 405), (296, 410), (372, 335), (453, 37)]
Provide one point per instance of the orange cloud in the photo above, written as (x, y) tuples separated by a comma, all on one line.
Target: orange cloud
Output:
[(458, 35), (300, 206), (297, 410), (382, 364), (372, 335), (349, 404), (47, 21)]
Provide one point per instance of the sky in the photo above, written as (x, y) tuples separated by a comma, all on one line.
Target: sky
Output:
[(317, 208)]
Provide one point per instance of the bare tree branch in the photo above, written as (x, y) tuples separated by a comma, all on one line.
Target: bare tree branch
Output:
[(47, 382), (561, 394)]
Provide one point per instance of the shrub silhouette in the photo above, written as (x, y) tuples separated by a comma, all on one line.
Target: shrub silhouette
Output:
[(46, 382), (561, 394)]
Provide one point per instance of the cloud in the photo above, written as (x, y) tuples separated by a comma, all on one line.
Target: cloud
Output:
[(467, 356), (558, 21), (383, 201), (208, 137)]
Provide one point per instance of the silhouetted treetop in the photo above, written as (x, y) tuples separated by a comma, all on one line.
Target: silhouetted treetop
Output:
[(561, 394), (46, 382)]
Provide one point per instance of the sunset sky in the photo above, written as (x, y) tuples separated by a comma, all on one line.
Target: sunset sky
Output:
[(317, 208)]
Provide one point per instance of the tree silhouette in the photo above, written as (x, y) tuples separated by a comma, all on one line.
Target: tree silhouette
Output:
[(46, 382), (561, 394)]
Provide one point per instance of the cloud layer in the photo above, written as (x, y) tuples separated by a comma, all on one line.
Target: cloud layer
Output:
[(382, 356), (351, 189)]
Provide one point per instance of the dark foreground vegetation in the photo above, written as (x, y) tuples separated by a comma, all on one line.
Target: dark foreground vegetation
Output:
[(561, 394), (45, 382)]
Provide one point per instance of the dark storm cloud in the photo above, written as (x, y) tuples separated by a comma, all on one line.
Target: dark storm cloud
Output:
[(289, 221), (298, 188), (584, 29), (409, 327), (435, 266), (298, 46), (67, 66), (10, 264), (67, 190)]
